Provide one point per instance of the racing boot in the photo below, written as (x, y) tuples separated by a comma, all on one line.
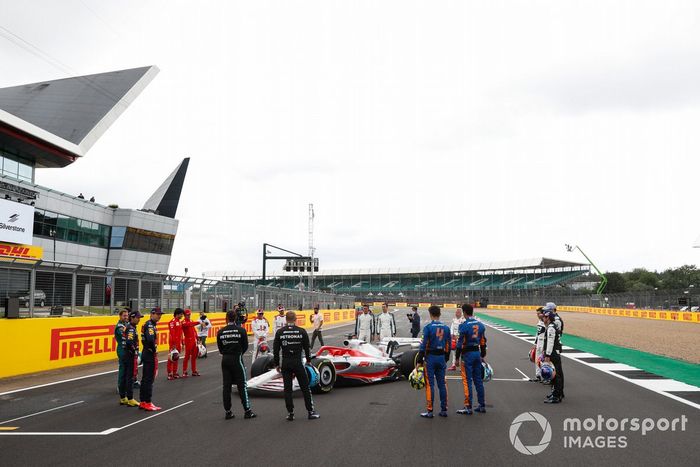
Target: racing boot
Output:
[(176, 376), (480, 409), (443, 413), (137, 384), (428, 414), (229, 415), (132, 403), (313, 415), (553, 400), (151, 407), (184, 375), (123, 401), (249, 414), (452, 368), (170, 377), (465, 411), (290, 417), (195, 373)]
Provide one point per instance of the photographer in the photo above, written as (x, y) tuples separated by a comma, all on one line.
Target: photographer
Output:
[(414, 318), (204, 327)]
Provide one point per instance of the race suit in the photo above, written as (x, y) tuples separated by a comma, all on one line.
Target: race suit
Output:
[(292, 342), (364, 327), (539, 345), (232, 342), (387, 325), (552, 347), (454, 329), (174, 343), (149, 358), (119, 337), (261, 329), (191, 350), (471, 347), (435, 351), (279, 323), (128, 360)]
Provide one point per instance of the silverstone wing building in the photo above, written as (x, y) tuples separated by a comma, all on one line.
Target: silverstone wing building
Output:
[(52, 124)]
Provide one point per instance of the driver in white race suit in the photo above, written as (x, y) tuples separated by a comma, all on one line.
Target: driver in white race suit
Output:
[(386, 323), (260, 328), (364, 325), (454, 330)]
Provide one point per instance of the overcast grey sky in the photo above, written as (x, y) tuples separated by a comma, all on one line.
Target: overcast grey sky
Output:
[(425, 133)]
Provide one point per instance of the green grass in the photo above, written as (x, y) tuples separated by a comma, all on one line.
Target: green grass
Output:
[(664, 366)]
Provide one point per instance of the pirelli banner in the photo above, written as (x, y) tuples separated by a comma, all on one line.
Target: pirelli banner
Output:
[(40, 344), (664, 315)]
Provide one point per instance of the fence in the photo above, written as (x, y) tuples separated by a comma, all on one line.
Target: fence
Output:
[(48, 288)]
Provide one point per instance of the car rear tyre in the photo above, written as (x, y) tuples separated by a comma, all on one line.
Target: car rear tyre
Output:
[(408, 362), (326, 376), (261, 365)]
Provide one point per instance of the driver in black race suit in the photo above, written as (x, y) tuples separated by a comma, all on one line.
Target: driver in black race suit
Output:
[(232, 341), (293, 343)]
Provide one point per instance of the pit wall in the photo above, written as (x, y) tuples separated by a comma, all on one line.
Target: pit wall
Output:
[(33, 345), (663, 315)]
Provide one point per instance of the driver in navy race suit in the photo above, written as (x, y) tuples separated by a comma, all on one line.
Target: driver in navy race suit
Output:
[(435, 352)]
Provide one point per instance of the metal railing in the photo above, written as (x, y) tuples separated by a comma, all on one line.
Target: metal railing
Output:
[(66, 289)]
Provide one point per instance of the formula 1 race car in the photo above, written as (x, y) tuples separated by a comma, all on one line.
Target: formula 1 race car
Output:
[(355, 363)]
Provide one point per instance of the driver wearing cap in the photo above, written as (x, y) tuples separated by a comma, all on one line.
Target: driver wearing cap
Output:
[(261, 329), (149, 357)]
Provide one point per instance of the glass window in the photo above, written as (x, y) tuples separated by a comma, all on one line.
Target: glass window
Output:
[(9, 167), (25, 171)]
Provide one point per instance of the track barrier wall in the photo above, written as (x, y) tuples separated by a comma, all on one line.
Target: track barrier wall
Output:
[(662, 315), (34, 345)]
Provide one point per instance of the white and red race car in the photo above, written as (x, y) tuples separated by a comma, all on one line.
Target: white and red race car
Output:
[(355, 363)]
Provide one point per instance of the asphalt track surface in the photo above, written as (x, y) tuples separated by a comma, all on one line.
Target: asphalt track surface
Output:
[(83, 424)]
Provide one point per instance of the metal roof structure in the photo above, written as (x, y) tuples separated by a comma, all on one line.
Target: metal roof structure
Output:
[(55, 122), (517, 265)]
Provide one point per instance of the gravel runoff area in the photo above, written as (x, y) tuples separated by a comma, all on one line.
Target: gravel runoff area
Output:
[(669, 338)]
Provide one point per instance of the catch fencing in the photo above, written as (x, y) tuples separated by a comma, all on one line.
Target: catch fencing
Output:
[(45, 288)]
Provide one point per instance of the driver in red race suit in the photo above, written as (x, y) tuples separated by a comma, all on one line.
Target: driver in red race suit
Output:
[(174, 342), (191, 350)]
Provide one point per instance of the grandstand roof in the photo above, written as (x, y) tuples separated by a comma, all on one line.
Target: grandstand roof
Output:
[(53, 122), (524, 264)]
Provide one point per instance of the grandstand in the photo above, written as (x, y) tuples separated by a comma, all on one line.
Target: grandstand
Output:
[(470, 280)]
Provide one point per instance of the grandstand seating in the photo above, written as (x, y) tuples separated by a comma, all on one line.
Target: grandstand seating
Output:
[(407, 283)]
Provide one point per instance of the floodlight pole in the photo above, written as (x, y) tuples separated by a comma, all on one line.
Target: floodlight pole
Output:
[(604, 280)]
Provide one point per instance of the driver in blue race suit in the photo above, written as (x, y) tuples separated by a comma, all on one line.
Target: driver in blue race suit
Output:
[(435, 352), (471, 346)]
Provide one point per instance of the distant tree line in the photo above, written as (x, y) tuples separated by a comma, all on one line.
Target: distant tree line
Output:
[(640, 279)]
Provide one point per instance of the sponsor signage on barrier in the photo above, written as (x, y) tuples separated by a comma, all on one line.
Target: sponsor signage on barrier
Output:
[(28, 252), (16, 222), (663, 315), (425, 305), (40, 344)]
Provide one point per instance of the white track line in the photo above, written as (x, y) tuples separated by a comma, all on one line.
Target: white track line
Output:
[(43, 411), (89, 433), (526, 377), (660, 386)]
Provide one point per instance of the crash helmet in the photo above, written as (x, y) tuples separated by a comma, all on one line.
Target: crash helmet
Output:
[(417, 378), (313, 375), (174, 355), (547, 372), (264, 348), (533, 354), (539, 360), (486, 372), (202, 350)]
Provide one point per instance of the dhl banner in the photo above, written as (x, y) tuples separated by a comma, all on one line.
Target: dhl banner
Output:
[(664, 315), (32, 345), (28, 252)]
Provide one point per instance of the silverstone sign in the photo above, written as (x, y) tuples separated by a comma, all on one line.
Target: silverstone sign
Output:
[(16, 222)]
